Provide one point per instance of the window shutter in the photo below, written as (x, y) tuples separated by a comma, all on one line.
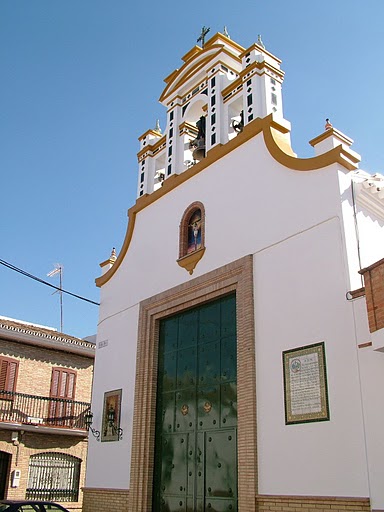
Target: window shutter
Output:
[(8, 375), (55, 382), (62, 388), (3, 373), (63, 383), (71, 385), (12, 374)]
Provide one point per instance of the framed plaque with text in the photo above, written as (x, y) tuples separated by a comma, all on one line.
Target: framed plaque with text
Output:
[(305, 384)]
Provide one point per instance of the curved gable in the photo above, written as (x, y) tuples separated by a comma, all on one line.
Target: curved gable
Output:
[(197, 62)]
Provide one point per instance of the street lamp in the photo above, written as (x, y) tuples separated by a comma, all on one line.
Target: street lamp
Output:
[(88, 418)]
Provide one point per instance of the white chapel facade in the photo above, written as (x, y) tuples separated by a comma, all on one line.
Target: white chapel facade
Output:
[(241, 332)]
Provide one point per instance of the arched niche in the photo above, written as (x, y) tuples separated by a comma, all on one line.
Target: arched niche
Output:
[(192, 236)]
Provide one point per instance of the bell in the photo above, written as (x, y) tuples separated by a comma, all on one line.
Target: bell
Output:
[(199, 151)]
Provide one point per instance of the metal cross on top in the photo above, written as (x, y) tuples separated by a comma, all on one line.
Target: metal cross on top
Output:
[(204, 32)]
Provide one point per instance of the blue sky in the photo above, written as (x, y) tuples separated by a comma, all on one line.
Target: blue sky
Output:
[(80, 82)]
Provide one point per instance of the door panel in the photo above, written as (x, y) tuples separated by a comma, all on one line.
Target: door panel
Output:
[(196, 423), (220, 459)]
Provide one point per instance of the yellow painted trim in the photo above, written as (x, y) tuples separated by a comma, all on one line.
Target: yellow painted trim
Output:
[(228, 66), (152, 147), (189, 261), (192, 52), (181, 76), (221, 37), (109, 261), (233, 85), (189, 91), (277, 146), (255, 46), (187, 126), (150, 132), (331, 132), (239, 81), (273, 141), (261, 66), (170, 77), (188, 69)]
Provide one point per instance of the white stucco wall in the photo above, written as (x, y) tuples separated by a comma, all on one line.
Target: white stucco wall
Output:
[(292, 222), (371, 363), (108, 463), (300, 300)]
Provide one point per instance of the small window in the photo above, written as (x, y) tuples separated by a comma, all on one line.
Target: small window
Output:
[(274, 99)]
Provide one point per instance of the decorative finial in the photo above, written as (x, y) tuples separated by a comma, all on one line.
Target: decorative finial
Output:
[(225, 32), (113, 256), (328, 124), (260, 42), (204, 32), (157, 127)]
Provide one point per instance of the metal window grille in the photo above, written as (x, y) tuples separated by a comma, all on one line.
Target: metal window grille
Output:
[(53, 477)]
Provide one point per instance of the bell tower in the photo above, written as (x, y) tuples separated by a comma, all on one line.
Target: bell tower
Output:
[(219, 88)]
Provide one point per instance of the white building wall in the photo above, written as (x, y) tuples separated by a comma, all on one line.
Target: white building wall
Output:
[(108, 464), (292, 222), (248, 207), (300, 300), (371, 364)]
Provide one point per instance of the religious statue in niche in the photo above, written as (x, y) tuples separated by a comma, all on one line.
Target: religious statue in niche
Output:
[(192, 236), (194, 232)]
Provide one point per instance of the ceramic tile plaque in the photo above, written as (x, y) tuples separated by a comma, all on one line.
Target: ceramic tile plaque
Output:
[(305, 384), (111, 415)]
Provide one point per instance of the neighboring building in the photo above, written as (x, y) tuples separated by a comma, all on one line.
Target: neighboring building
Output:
[(45, 391), (233, 346)]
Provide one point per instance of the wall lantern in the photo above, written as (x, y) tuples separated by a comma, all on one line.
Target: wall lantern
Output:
[(111, 415), (88, 418)]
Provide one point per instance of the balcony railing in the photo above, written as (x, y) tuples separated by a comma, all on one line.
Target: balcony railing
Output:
[(41, 410)]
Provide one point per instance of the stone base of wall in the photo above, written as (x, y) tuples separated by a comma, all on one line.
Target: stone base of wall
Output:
[(105, 499), (269, 503), (117, 499)]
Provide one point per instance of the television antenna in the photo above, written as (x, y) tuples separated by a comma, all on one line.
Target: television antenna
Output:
[(58, 269)]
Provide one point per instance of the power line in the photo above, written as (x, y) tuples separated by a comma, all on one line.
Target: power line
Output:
[(31, 276)]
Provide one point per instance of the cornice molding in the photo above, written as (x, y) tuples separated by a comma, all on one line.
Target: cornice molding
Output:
[(31, 335)]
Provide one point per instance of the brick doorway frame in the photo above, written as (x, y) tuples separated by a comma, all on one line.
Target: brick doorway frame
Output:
[(236, 276)]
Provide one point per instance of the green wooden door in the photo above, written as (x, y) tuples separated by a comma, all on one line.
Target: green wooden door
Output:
[(196, 419)]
